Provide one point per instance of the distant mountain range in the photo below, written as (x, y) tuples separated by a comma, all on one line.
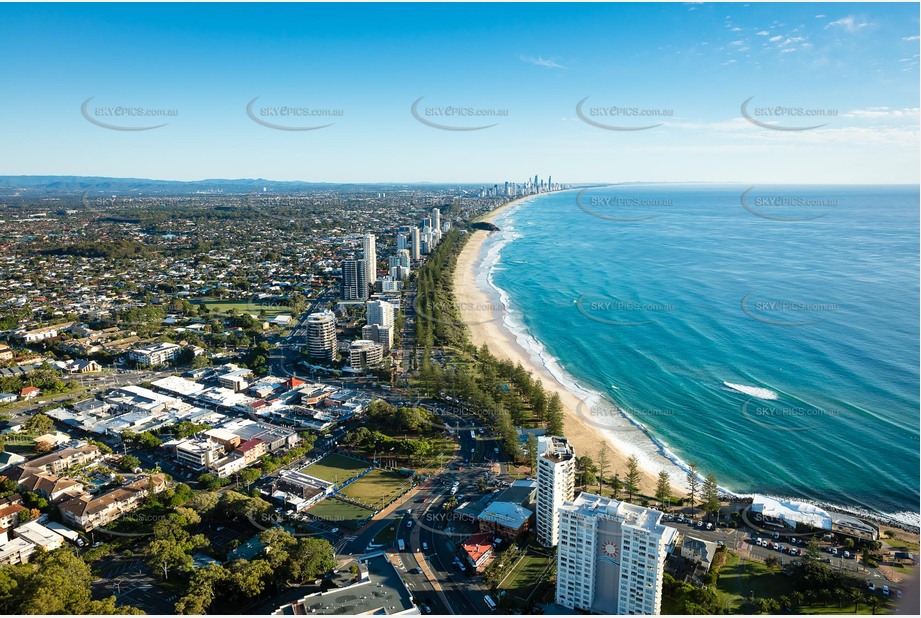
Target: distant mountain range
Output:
[(31, 185)]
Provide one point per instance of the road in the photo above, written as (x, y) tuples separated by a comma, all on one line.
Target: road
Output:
[(432, 526)]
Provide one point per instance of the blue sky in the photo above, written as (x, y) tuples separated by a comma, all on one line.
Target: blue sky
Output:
[(691, 65)]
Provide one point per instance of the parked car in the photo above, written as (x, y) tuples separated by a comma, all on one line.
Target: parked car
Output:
[(425, 546), (886, 591), (871, 586)]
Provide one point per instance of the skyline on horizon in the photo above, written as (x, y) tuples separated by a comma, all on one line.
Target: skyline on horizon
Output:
[(394, 86)]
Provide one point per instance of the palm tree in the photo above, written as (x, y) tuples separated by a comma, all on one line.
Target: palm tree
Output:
[(856, 596), (873, 600)]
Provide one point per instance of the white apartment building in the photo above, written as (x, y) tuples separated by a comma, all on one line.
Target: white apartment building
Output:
[(364, 353), (415, 243), (380, 312), (155, 354), (611, 556), (321, 335), (556, 483)]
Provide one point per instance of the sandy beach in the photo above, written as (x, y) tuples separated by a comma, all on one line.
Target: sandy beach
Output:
[(482, 315)]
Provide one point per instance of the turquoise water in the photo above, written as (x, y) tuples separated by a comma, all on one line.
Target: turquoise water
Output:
[(770, 334)]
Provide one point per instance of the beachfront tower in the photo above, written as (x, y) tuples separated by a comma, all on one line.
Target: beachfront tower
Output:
[(556, 483), (436, 220), (611, 556), (321, 335)]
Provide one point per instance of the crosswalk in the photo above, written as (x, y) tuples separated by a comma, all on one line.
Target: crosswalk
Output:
[(341, 543)]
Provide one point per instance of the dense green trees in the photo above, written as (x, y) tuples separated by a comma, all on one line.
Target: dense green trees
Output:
[(39, 424), (56, 582), (285, 560)]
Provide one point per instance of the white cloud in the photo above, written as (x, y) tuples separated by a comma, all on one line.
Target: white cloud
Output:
[(849, 23), (822, 16), (884, 113), (737, 43), (791, 40), (542, 62), (774, 39), (911, 38), (764, 33), (736, 29)]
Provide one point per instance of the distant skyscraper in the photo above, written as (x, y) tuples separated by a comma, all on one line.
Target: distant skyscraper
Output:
[(536, 184), (611, 556), (556, 482), (369, 251), (415, 248), (354, 280), (436, 219), (321, 335), (403, 240)]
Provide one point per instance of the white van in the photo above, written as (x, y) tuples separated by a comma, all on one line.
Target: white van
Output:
[(490, 602)]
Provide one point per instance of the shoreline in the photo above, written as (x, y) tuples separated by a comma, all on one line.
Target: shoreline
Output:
[(484, 315)]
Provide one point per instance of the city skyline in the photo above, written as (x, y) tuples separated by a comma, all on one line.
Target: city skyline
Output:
[(550, 82)]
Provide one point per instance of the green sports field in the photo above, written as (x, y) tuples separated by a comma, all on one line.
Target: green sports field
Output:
[(341, 513), (336, 469), (378, 487), (254, 306)]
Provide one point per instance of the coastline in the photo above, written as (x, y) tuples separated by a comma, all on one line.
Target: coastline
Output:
[(484, 310), (484, 315)]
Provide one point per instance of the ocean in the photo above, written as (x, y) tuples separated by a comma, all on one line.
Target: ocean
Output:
[(770, 334)]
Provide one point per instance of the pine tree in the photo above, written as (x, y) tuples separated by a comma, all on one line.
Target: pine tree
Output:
[(693, 484), (632, 481), (709, 498), (663, 488), (555, 415)]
